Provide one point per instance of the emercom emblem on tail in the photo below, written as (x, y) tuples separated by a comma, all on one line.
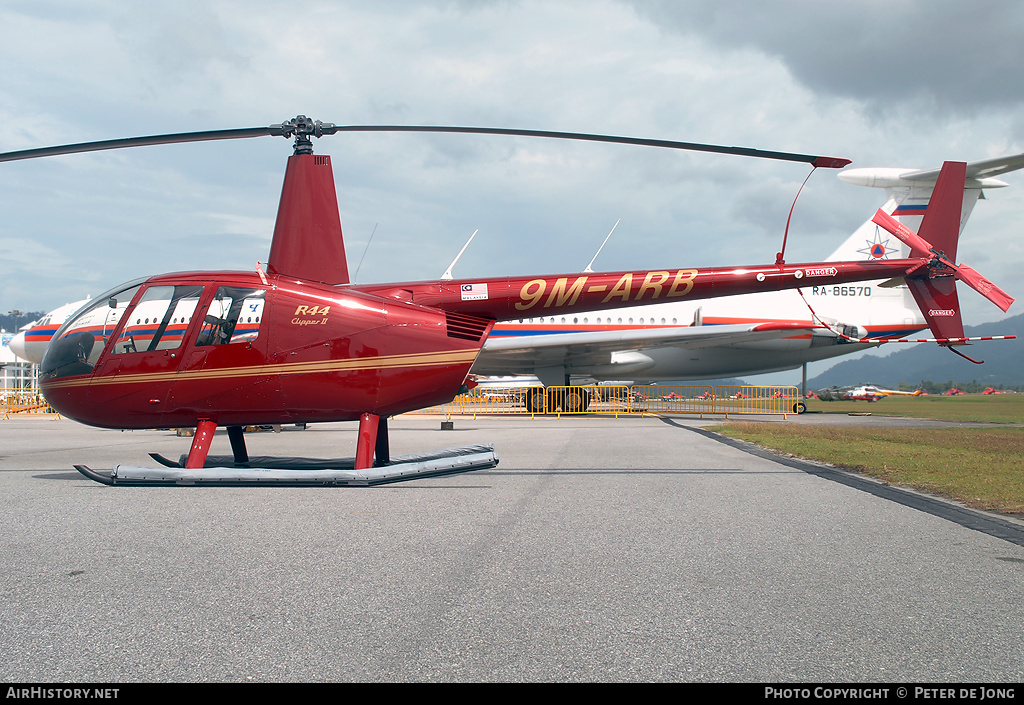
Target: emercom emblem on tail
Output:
[(879, 249)]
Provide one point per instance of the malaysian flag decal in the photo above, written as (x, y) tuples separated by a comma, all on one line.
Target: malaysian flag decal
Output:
[(474, 292)]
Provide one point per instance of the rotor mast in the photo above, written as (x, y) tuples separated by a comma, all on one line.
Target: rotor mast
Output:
[(308, 242)]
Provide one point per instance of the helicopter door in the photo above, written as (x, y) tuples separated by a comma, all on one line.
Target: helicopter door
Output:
[(147, 348), (227, 351)]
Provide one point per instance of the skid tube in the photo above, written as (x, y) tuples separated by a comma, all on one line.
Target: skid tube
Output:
[(300, 472)]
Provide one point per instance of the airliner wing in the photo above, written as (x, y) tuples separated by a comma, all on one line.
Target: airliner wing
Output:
[(509, 355)]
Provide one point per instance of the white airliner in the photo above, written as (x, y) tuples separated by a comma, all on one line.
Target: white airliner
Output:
[(740, 335), (31, 341), (724, 337), (158, 322)]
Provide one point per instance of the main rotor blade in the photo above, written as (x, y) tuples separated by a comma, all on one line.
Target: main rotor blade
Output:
[(302, 128), (209, 135), (822, 161)]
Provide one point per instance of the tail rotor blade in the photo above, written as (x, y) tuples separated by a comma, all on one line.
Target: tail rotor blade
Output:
[(972, 278), (919, 247)]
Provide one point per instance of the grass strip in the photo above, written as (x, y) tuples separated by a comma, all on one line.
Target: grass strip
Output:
[(980, 467), (995, 408)]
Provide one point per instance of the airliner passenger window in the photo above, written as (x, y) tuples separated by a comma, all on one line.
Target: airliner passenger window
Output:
[(233, 316)]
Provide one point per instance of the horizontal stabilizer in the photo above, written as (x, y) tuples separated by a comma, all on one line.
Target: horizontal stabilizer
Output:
[(982, 169), (980, 174)]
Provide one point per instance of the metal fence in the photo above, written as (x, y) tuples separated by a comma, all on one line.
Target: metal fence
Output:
[(636, 399), (22, 401), (531, 401)]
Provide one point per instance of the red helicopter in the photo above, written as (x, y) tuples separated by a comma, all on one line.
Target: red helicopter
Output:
[(298, 343)]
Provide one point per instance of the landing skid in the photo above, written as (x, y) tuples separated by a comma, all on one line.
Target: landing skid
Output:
[(299, 472)]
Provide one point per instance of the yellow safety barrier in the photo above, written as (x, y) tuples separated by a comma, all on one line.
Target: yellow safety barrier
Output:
[(673, 399), (23, 401), (758, 400), (615, 400), (530, 401)]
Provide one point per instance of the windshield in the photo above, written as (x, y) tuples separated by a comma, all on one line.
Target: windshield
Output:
[(76, 346), (158, 322)]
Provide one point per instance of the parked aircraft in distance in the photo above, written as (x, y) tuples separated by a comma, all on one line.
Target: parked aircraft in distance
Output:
[(865, 392)]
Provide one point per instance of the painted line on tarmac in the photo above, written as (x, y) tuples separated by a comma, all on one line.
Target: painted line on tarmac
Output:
[(968, 518)]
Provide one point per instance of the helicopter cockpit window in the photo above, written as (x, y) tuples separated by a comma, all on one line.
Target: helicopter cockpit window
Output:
[(160, 319), (233, 316), (76, 346)]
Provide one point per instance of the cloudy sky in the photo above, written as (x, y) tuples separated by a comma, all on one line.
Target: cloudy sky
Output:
[(907, 83)]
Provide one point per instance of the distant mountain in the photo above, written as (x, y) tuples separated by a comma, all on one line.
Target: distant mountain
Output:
[(718, 382), (1004, 362)]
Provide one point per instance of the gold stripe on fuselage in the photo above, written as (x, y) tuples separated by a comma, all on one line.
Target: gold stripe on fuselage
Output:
[(431, 359)]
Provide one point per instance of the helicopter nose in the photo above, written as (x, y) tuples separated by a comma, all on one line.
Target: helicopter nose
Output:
[(17, 345)]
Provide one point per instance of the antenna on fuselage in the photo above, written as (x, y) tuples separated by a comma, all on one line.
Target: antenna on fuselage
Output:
[(590, 267), (448, 272), (356, 277)]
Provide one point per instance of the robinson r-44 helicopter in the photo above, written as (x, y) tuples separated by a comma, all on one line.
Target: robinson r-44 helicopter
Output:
[(299, 343)]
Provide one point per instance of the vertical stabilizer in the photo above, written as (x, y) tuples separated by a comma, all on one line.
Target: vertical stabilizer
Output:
[(308, 243), (940, 305), (939, 231), (942, 224)]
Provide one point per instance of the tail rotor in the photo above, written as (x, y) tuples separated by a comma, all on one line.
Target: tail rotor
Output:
[(933, 281)]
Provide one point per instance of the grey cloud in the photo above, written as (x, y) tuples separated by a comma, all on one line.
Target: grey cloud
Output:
[(946, 54)]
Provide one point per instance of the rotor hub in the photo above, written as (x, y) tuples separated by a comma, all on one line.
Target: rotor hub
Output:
[(303, 129)]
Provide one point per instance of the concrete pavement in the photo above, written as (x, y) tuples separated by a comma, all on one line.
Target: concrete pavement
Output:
[(600, 549)]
